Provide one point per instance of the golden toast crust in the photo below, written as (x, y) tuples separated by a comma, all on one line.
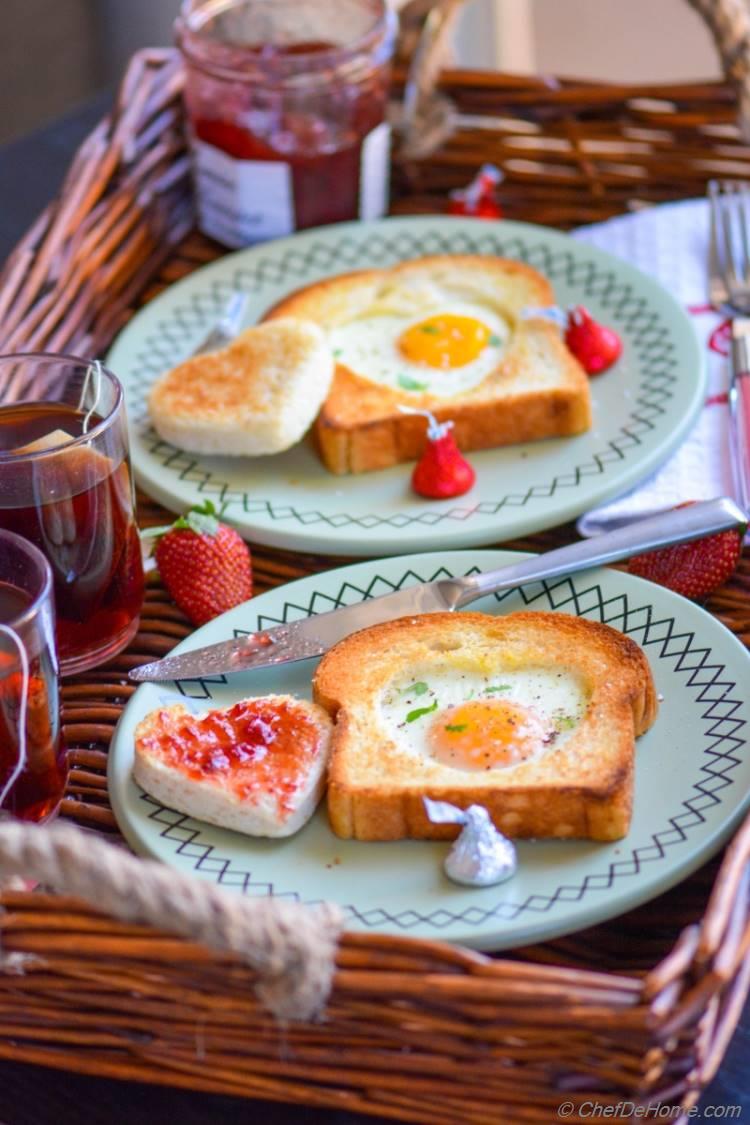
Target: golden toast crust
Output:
[(584, 790), (360, 427)]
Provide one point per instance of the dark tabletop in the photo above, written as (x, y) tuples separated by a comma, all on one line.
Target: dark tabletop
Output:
[(30, 172)]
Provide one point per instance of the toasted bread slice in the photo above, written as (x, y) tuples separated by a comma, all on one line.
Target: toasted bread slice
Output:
[(533, 388), (532, 715), (257, 767), (259, 395)]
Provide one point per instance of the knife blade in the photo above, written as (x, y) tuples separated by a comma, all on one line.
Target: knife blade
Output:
[(299, 640), (312, 636)]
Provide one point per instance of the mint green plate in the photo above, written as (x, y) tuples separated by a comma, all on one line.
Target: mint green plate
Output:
[(692, 773), (643, 406)]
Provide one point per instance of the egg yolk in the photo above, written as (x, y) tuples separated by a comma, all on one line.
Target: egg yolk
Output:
[(444, 341), (485, 734)]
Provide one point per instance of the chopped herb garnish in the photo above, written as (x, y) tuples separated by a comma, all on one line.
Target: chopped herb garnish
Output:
[(566, 722), (455, 728), (418, 712), (495, 341), (337, 352), (430, 330), (419, 688), (498, 687), (408, 384)]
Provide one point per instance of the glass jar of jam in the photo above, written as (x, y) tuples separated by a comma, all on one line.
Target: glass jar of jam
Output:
[(286, 105)]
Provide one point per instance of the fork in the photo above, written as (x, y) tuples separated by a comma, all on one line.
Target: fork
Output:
[(729, 290)]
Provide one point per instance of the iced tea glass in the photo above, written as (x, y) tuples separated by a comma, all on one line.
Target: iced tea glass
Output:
[(33, 767), (65, 485)]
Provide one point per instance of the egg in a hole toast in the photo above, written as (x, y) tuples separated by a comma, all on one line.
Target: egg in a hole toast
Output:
[(463, 336), (533, 715)]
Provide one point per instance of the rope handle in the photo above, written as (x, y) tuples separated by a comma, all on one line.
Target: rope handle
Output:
[(291, 947), (729, 24), (427, 117)]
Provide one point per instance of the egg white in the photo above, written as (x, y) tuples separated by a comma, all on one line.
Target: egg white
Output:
[(368, 346), (557, 697)]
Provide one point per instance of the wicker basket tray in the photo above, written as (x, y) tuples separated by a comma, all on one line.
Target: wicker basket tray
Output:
[(641, 1008)]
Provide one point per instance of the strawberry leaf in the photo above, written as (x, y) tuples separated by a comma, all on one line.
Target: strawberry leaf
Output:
[(203, 519), (200, 523)]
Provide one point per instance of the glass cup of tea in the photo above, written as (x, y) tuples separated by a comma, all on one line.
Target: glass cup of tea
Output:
[(33, 765), (65, 485)]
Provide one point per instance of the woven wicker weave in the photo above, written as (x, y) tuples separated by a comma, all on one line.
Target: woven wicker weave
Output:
[(639, 1008)]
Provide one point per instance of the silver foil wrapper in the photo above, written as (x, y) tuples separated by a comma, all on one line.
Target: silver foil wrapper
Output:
[(481, 856), (552, 313)]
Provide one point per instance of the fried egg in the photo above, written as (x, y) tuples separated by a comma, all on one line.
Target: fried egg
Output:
[(469, 720), (444, 350)]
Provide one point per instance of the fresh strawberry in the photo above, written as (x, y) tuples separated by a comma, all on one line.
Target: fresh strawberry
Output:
[(595, 346), (204, 564), (694, 569), (441, 472)]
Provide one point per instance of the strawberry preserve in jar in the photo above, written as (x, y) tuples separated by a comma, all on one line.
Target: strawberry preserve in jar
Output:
[(286, 106)]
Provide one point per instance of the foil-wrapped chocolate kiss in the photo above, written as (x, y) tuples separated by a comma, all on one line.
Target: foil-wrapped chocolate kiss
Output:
[(481, 856)]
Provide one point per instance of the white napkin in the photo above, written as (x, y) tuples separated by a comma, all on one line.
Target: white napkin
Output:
[(670, 243)]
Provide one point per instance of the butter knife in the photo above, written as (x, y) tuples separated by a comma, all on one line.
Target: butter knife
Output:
[(300, 640)]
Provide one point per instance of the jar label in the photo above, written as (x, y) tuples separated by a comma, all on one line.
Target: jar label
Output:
[(242, 201), (374, 172)]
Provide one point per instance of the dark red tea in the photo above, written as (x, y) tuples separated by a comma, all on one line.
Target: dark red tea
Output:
[(39, 787), (76, 505)]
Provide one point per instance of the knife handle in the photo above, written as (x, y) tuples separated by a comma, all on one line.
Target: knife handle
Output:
[(676, 526), (739, 406)]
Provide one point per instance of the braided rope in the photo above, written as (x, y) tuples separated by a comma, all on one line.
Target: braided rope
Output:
[(291, 947), (729, 24)]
